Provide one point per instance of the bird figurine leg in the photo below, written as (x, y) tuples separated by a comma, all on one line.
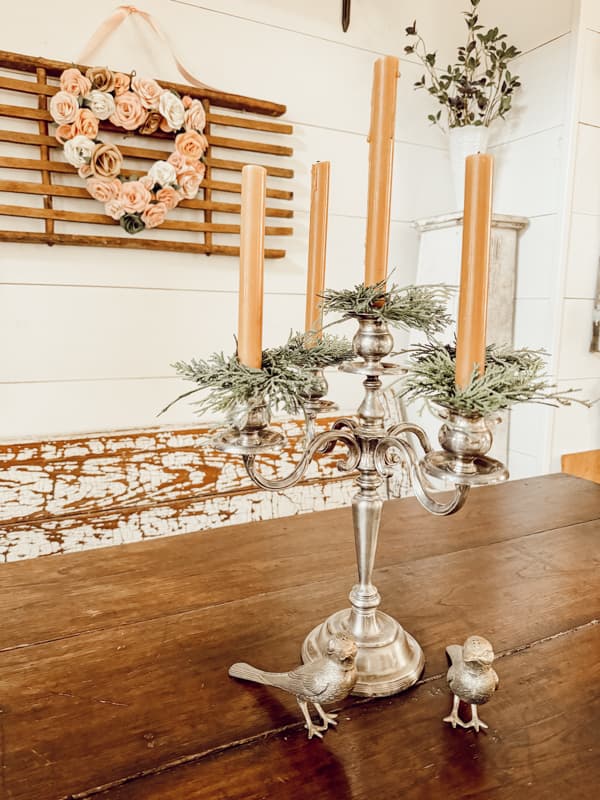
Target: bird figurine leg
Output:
[(313, 730), (475, 722), (328, 719), (453, 717)]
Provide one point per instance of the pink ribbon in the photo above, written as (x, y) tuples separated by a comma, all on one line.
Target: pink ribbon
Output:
[(110, 25)]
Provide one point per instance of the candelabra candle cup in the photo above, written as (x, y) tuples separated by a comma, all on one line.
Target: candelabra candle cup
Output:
[(465, 442), (249, 432)]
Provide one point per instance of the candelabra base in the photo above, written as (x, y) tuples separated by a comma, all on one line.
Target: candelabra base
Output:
[(389, 660)]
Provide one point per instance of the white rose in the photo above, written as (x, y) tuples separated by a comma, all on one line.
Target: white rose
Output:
[(172, 109), (163, 173), (78, 150), (102, 104)]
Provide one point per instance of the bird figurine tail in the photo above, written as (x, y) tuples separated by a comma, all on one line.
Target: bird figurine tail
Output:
[(249, 673)]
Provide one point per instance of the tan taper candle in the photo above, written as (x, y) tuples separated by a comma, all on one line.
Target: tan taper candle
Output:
[(381, 158), (473, 298), (317, 245), (252, 239)]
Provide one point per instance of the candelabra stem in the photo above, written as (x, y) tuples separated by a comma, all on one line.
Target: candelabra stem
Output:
[(365, 599)]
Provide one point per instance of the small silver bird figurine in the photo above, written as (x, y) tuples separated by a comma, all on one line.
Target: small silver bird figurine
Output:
[(327, 680), (471, 678)]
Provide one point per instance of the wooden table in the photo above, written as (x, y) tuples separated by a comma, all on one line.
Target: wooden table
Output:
[(113, 662)]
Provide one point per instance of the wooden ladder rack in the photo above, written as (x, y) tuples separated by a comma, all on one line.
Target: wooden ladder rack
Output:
[(55, 203)]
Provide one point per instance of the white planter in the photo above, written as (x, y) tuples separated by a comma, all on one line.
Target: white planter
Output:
[(463, 142)]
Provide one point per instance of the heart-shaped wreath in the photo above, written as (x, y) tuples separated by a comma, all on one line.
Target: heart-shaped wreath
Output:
[(138, 105)]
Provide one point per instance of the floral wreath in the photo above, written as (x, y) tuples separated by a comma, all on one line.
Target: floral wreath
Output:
[(139, 105)]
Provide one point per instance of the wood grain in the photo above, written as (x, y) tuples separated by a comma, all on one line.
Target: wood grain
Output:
[(146, 686), (47, 165), (542, 743), (582, 465)]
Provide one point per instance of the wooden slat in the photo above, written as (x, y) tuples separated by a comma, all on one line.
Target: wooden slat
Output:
[(21, 62), (20, 112), (208, 176), (28, 87), (255, 147), (541, 743), (23, 187), (17, 137), (127, 243), (251, 124), (104, 219), (162, 681), (44, 151), (60, 166)]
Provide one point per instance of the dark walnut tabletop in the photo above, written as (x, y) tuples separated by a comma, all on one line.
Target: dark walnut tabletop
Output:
[(113, 662)]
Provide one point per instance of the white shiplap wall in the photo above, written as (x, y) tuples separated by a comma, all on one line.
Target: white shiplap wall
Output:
[(93, 332), (576, 366)]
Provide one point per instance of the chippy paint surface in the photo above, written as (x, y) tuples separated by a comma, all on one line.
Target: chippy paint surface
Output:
[(69, 494)]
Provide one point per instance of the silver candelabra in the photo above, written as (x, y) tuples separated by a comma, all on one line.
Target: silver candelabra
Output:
[(389, 659)]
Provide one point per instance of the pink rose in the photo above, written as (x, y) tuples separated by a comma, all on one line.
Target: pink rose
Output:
[(179, 162), (189, 182), (122, 82), (148, 91), (154, 215), (64, 108), (129, 112), (169, 197), (103, 191), (115, 208), (195, 117), (147, 181), (64, 133), (186, 100), (135, 196), (73, 82), (84, 171), (191, 144), (85, 124)]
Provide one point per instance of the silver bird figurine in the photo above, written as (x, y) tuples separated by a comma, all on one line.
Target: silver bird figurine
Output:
[(326, 680), (471, 678)]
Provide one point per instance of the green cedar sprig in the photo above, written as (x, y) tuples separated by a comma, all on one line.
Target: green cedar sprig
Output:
[(510, 377), (420, 308), (283, 381)]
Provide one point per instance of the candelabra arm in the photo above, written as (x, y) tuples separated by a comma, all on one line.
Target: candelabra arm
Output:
[(322, 443), (419, 482), (410, 427)]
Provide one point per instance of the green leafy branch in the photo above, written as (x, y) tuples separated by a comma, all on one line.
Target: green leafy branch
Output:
[(479, 87)]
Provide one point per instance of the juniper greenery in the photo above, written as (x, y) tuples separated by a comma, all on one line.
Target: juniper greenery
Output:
[(420, 308), (283, 382), (510, 377)]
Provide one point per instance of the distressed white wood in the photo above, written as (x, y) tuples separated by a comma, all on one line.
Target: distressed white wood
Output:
[(590, 99)]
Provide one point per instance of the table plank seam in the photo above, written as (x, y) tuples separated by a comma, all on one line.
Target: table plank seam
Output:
[(297, 726), (274, 593)]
